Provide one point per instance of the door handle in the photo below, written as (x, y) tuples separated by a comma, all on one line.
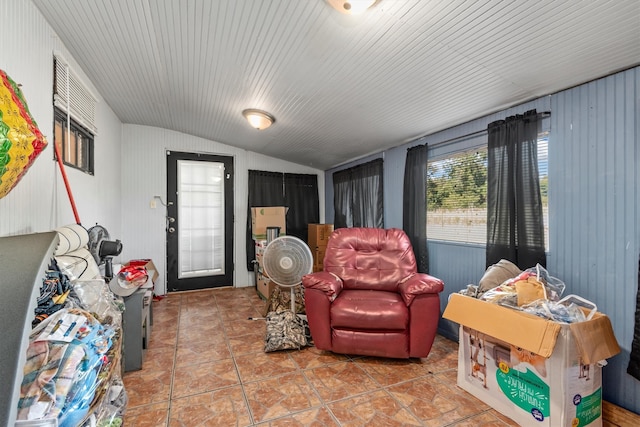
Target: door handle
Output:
[(171, 219), (171, 229)]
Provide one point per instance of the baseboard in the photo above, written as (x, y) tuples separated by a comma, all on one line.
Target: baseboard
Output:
[(614, 416)]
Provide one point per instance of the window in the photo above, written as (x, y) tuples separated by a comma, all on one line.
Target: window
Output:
[(74, 117), (76, 149), (457, 194)]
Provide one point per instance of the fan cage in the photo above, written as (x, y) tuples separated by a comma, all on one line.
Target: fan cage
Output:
[(286, 259)]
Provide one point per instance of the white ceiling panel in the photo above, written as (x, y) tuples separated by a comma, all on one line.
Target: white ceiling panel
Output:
[(340, 87)]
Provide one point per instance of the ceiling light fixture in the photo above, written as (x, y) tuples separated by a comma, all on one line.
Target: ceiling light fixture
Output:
[(352, 7), (258, 119)]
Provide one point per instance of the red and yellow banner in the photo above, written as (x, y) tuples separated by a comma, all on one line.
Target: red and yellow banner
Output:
[(20, 139)]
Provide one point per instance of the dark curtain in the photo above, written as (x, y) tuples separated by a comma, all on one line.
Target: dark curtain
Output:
[(265, 189), (343, 216), (515, 229), (358, 196), (301, 196), (633, 368), (414, 214)]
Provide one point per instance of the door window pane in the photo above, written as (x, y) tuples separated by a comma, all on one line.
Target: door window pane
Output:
[(201, 215)]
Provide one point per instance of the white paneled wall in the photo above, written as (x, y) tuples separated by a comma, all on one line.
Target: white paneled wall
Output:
[(39, 202), (144, 176)]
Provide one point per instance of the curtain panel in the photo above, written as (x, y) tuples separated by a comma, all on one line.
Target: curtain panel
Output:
[(301, 196), (414, 201), (515, 229), (265, 189), (633, 368), (358, 196), (298, 192)]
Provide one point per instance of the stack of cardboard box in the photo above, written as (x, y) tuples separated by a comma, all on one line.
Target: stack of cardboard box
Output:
[(318, 236), (261, 218)]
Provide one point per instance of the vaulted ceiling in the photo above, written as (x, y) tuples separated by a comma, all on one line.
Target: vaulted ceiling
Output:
[(339, 86)]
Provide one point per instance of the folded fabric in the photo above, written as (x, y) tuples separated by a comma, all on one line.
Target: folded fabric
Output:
[(529, 290), (497, 274)]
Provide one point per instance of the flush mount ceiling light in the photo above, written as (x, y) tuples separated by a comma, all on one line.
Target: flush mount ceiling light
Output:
[(352, 7), (258, 119)]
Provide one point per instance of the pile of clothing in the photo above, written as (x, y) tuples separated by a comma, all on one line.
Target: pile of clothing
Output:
[(532, 290), (53, 293)]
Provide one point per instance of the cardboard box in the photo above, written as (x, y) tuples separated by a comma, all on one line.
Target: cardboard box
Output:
[(535, 371), (261, 245), (264, 286), (152, 271), (318, 234), (263, 217), (318, 257)]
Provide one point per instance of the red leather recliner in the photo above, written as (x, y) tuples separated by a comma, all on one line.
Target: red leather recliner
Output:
[(370, 300)]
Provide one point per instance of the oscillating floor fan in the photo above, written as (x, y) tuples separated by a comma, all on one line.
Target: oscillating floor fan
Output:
[(103, 248), (286, 259)]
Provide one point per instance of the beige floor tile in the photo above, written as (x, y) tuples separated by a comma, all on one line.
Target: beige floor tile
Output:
[(146, 386), (202, 351), (279, 396), (391, 371), (372, 409), (154, 415), (162, 338), (224, 407), (159, 358), (203, 377), (260, 366), (435, 403), (311, 357), (244, 326), (317, 417), (234, 317), (340, 380), (253, 342), (486, 419)]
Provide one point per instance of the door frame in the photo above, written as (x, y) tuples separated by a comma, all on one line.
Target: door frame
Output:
[(175, 284)]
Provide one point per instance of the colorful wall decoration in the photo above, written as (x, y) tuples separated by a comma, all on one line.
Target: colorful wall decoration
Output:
[(20, 139)]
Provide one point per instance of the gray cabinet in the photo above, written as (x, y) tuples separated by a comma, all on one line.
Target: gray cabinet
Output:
[(137, 319)]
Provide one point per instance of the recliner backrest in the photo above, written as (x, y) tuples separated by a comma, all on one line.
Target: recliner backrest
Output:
[(370, 258)]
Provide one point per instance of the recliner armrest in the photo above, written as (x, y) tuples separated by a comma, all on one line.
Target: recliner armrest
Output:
[(418, 284), (323, 281)]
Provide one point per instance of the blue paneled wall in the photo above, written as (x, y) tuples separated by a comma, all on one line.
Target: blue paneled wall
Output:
[(594, 207)]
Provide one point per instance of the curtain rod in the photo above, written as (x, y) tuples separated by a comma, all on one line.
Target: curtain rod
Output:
[(542, 115)]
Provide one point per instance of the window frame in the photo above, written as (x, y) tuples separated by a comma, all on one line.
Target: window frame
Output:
[(82, 142), (479, 144)]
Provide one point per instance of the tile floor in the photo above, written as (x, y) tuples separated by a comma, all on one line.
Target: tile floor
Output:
[(205, 366)]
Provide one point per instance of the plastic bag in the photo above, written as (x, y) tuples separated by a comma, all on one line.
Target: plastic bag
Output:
[(110, 411), (95, 297), (69, 362), (554, 286), (530, 285), (570, 309)]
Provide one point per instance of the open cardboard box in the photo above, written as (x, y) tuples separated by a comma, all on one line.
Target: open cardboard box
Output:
[(535, 371), (263, 217)]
